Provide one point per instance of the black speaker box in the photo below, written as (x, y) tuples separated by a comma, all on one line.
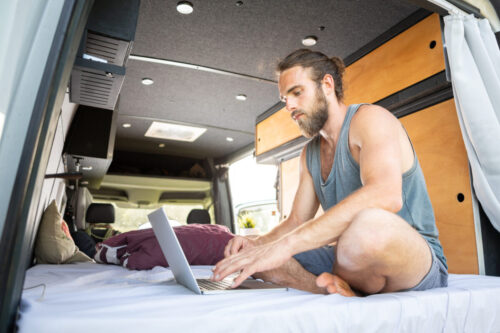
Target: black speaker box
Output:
[(90, 142)]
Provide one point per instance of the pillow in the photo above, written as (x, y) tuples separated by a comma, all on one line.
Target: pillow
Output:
[(54, 244), (203, 244)]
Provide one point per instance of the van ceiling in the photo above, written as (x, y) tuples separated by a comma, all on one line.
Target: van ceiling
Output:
[(248, 39)]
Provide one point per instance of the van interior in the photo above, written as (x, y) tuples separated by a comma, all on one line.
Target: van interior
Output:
[(143, 106)]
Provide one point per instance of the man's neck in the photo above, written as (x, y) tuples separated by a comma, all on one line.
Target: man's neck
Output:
[(336, 115)]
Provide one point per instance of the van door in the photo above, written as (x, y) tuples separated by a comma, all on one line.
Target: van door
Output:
[(38, 43)]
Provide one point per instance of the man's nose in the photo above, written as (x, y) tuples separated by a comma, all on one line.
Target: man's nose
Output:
[(290, 105)]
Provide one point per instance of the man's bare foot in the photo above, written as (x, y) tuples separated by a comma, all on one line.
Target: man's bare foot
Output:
[(293, 275), (334, 285)]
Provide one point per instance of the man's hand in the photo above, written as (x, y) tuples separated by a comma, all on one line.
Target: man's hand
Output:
[(251, 260), (238, 243)]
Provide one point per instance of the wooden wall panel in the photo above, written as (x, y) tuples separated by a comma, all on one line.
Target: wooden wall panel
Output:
[(274, 131), (437, 139), (289, 181), (401, 62)]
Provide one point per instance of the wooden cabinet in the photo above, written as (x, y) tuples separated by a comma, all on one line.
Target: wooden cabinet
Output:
[(272, 132), (408, 58)]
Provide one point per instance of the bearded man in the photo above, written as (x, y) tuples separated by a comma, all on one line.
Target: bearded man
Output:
[(378, 232)]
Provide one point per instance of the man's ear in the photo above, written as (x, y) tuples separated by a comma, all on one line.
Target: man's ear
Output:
[(328, 84)]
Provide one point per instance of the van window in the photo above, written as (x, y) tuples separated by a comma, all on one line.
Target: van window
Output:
[(253, 194), (132, 218)]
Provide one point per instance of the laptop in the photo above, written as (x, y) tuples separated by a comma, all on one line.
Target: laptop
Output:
[(183, 274)]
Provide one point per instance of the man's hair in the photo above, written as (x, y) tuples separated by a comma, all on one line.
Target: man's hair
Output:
[(320, 65)]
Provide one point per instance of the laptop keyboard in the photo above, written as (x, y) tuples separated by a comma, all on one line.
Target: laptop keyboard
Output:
[(214, 285)]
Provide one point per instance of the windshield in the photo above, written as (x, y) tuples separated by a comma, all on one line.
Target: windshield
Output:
[(127, 219)]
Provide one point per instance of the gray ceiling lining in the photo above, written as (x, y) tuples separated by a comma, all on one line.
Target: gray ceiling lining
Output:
[(212, 143), (248, 40), (191, 96)]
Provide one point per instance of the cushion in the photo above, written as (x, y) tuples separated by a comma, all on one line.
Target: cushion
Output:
[(54, 244), (203, 244)]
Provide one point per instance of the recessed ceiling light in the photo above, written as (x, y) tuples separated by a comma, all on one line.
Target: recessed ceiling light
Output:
[(185, 7), (161, 145), (87, 168), (241, 97), (176, 132), (229, 139), (310, 41), (147, 81), (126, 125)]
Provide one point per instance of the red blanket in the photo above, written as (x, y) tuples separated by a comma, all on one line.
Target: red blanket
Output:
[(203, 244)]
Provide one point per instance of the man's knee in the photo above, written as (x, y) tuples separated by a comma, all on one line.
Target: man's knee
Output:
[(367, 237)]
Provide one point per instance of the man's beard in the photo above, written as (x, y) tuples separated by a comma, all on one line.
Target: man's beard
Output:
[(313, 121)]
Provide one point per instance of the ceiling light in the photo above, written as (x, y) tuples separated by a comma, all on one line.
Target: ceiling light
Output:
[(241, 97), (126, 125), (161, 145), (229, 139), (176, 132), (310, 41), (147, 81), (185, 7), (87, 168)]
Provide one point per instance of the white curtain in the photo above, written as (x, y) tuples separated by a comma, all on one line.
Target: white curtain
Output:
[(474, 60)]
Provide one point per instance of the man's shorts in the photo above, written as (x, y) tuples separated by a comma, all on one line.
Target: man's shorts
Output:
[(321, 260)]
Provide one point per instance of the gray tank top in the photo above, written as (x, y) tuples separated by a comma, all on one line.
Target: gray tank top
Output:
[(344, 178)]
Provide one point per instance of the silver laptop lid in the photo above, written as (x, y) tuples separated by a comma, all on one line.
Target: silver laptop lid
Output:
[(172, 250)]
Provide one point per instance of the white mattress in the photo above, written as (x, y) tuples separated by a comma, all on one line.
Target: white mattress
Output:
[(87, 297)]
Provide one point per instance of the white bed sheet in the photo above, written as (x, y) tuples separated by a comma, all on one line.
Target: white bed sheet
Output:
[(85, 297)]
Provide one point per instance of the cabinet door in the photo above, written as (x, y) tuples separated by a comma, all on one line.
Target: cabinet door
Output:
[(436, 137), (406, 59)]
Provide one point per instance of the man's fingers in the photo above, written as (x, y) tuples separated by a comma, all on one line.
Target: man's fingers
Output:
[(229, 266), (227, 249), (242, 277), (221, 268), (236, 246)]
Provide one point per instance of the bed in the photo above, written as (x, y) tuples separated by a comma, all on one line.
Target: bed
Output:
[(86, 297)]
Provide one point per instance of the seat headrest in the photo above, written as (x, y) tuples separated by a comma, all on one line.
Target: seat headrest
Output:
[(100, 213), (198, 216)]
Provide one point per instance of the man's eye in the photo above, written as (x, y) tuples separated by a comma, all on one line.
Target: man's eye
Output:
[(296, 93)]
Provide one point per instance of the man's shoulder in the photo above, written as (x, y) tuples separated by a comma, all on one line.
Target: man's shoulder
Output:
[(370, 114), (366, 110), (371, 119)]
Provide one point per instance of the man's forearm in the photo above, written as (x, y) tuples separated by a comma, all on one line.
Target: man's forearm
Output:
[(285, 227)]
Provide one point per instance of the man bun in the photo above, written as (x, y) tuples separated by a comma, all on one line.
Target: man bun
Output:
[(339, 63), (319, 64)]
